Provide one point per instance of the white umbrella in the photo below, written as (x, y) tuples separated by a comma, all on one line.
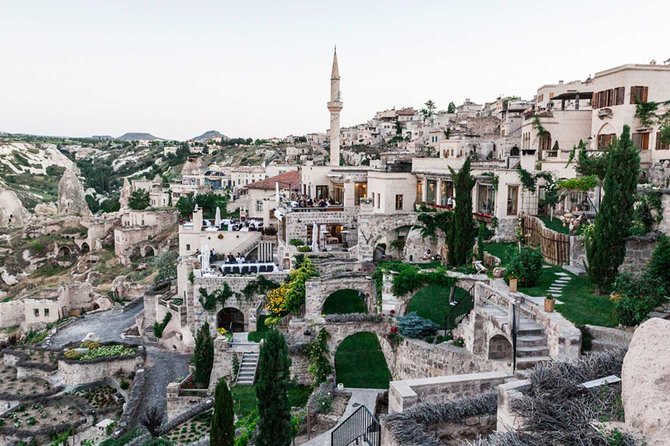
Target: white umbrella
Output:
[(315, 238), (217, 218), (205, 258)]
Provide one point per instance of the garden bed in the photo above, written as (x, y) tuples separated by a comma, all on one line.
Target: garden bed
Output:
[(13, 388), (45, 418), (104, 399), (190, 431)]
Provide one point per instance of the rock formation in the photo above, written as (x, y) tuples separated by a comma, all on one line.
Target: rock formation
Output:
[(646, 382), (71, 195), (12, 212), (124, 197)]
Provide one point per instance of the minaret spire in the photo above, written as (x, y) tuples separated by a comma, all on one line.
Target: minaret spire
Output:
[(335, 106)]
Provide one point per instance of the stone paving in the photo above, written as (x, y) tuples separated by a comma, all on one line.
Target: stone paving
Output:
[(365, 397), (556, 287)]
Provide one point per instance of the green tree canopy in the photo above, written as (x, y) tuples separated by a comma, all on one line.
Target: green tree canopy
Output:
[(606, 247), (463, 227), (451, 108), (274, 426), (203, 356), (221, 431), (139, 199)]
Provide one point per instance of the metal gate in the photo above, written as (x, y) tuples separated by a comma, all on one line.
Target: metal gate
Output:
[(360, 428)]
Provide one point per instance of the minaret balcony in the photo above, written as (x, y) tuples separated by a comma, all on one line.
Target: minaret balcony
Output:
[(335, 106)]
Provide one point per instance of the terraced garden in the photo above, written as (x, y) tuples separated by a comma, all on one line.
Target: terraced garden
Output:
[(21, 387)]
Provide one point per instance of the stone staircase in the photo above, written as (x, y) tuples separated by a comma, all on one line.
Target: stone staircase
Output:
[(246, 376), (531, 341)]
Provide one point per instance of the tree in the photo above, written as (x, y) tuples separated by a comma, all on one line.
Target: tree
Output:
[(274, 425), (659, 265), (606, 247), (398, 128), (463, 226), (185, 205), (451, 108), (222, 432), (209, 203), (139, 199), (166, 264), (203, 356), (152, 420)]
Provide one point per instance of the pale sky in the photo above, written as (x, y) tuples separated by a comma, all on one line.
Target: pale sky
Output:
[(261, 68)]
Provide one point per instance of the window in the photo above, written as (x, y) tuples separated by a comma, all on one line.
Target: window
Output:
[(360, 191), (46, 312), (36, 312), (604, 141), (379, 200), (188, 247), (419, 191), (259, 205), (512, 200), (641, 141), (608, 98), (322, 192), (398, 202), (661, 145), (638, 94), (431, 191), (540, 98), (486, 199)]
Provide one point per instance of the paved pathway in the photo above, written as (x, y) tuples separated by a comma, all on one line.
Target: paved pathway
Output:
[(365, 397), (108, 325)]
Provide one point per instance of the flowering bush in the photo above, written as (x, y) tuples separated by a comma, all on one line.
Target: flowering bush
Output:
[(394, 337), (290, 296)]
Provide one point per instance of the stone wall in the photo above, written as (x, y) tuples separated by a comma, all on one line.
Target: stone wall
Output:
[(638, 252), (604, 338), (452, 434), (178, 403), (505, 230), (223, 362), (664, 225), (406, 393), (11, 313), (71, 373), (577, 253), (135, 397), (507, 419), (417, 359)]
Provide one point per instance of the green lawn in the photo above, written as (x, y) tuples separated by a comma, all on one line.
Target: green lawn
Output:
[(500, 250), (245, 402), (360, 363), (261, 330), (555, 225), (580, 306), (432, 302), (344, 302)]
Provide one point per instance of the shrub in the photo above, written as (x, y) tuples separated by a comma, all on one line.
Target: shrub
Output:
[(414, 326), (296, 242), (304, 249), (159, 327), (635, 297), (525, 265), (659, 265), (319, 357), (125, 385)]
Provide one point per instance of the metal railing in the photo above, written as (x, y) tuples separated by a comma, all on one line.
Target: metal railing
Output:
[(360, 428), (458, 306)]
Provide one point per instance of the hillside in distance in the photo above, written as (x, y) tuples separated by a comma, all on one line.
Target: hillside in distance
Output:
[(209, 135), (138, 136)]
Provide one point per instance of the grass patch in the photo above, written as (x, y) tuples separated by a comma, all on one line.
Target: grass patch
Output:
[(261, 332), (580, 306), (245, 402), (432, 302), (360, 363), (500, 250), (555, 225), (344, 302)]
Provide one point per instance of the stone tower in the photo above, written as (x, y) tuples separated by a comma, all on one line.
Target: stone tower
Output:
[(335, 106)]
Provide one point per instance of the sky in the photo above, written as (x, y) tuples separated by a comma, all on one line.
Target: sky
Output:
[(262, 68)]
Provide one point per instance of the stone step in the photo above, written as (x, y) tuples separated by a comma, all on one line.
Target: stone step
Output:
[(530, 362), (526, 352), (531, 341)]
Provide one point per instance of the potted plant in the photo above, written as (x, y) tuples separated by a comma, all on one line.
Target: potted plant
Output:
[(549, 302), (513, 281)]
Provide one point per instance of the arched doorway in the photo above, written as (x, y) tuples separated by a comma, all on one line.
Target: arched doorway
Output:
[(500, 348), (149, 251), (360, 362), (514, 151), (344, 302), (64, 251), (85, 248), (379, 253), (231, 319)]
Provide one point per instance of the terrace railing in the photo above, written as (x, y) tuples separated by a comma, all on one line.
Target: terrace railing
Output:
[(360, 428)]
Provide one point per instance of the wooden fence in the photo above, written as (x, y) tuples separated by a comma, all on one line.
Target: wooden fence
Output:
[(555, 246)]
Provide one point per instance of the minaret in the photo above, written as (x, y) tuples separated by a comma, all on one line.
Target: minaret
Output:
[(335, 106)]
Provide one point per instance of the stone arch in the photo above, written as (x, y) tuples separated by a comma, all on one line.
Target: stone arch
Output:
[(345, 300), (500, 348), (362, 347), (85, 248), (317, 290), (231, 319), (149, 251), (64, 251), (514, 151), (373, 229)]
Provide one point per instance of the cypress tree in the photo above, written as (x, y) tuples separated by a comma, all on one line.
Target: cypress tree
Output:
[(462, 230), (274, 425), (659, 265), (222, 432), (203, 356), (606, 247)]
